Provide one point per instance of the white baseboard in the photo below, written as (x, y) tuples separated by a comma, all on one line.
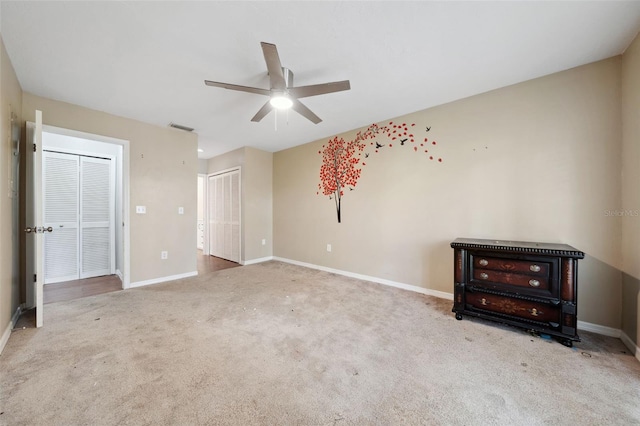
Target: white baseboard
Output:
[(629, 344), (422, 290), (10, 326), (259, 260), (163, 279), (582, 325), (599, 329)]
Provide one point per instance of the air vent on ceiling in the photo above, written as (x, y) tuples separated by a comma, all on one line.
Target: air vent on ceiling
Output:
[(181, 127)]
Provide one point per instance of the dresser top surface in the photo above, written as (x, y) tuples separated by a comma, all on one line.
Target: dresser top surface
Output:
[(518, 246)]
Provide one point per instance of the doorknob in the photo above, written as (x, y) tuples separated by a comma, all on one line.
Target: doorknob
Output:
[(38, 229)]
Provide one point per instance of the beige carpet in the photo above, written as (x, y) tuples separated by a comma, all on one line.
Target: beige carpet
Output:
[(277, 344)]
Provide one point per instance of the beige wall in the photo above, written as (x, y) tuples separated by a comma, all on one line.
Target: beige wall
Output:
[(229, 160), (258, 203), (535, 161), (631, 189), (163, 176), (10, 101), (256, 199)]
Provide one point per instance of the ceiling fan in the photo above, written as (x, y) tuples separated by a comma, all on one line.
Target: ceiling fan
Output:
[(282, 94)]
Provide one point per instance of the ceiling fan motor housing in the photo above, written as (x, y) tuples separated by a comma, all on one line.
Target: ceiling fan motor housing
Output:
[(288, 76)]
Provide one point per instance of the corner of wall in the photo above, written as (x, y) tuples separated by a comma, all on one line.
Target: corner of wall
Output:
[(630, 209)]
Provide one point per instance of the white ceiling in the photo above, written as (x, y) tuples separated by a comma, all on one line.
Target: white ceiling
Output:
[(148, 60)]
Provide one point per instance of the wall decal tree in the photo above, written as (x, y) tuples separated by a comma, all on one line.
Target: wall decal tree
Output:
[(342, 161), (340, 168)]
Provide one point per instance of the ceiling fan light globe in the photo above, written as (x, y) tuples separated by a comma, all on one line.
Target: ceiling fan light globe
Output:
[(281, 102)]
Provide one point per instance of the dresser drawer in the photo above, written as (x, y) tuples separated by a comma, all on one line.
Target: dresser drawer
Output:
[(526, 309), (515, 279), (512, 265)]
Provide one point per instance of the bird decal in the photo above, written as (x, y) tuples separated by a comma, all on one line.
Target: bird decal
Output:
[(366, 155), (428, 128), (402, 141), (378, 145)]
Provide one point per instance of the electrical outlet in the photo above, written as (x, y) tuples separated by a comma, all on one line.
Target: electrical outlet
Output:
[(141, 209), (180, 210), (164, 255), (264, 242), (329, 247)]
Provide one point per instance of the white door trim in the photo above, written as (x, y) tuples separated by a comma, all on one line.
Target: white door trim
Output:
[(126, 274)]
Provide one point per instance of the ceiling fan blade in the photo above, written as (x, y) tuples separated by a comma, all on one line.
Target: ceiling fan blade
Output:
[(276, 77), (266, 109), (305, 112), (319, 89), (238, 88)]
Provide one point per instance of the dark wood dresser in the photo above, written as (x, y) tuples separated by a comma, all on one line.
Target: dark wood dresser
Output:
[(524, 284)]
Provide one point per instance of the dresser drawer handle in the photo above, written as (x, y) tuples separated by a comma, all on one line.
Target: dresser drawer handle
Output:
[(534, 268), (484, 302), (535, 312), (483, 262), (484, 276), (534, 283)]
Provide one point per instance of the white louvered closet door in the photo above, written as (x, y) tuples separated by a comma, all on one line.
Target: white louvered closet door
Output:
[(232, 218), (60, 193), (211, 214), (96, 217), (224, 215), (219, 218)]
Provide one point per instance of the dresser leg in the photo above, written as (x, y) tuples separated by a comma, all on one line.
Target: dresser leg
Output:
[(567, 342), (458, 316)]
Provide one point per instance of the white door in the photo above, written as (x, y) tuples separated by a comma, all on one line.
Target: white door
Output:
[(97, 197), (79, 204), (224, 215), (232, 217), (34, 219), (61, 209)]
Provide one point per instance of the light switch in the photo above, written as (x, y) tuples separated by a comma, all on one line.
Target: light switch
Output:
[(141, 209), (180, 210)]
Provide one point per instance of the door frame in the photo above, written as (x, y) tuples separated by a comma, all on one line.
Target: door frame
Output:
[(125, 275)]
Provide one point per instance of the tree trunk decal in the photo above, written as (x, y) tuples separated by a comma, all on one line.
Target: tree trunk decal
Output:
[(342, 161)]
